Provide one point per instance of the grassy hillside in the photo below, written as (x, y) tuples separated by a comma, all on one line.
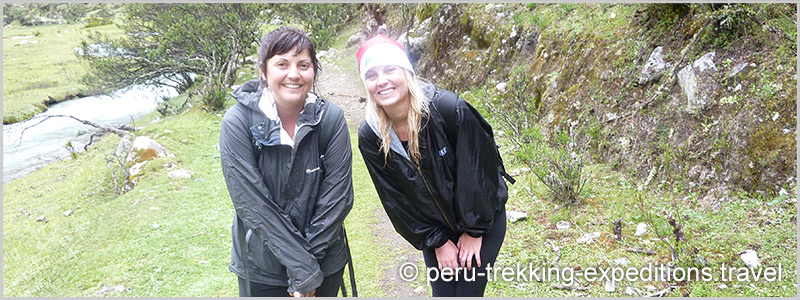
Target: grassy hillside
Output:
[(47, 71)]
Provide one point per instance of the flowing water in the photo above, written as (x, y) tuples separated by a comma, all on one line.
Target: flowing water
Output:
[(27, 148)]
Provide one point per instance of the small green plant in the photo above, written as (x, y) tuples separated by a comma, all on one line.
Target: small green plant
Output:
[(97, 21), (214, 97), (72, 152), (37, 33), (561, 171)]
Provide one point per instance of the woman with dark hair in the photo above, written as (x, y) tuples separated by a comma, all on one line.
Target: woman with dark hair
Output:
[(286, 159), (435, 166)]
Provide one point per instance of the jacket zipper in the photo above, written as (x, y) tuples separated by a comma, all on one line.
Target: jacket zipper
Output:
[(435, 200)]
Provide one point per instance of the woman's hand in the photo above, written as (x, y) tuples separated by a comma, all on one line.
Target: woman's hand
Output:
[(467, 248), (298, 294), (447, 256)]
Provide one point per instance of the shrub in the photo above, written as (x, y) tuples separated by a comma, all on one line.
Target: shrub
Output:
[(96, 21), (561, 170)]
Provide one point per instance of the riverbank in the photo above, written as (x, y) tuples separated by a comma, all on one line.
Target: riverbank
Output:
[(41, 68)]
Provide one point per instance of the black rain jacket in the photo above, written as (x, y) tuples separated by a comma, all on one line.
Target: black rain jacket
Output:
[(455, 189), (293, 201)]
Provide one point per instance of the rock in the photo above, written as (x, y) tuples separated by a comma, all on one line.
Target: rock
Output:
[(166, 131), (331, 52), (137, 168), (203, 262), (419, 289), (355, 39), (622, 261), (700, 261), (655, 66), (750, 258), (144, 143), (704, 63), (630, 291), (415, 46), (156, 226), (588, 237), (276, 22), (562, 224), (611, 117), (514, 216), (611, 286), (184, 141), (698, 82), (124, 146), (111, 288), (68, 213), (168, 166), (722, 286), (739, 70), (179, 173), (641, 229), (650, 287), (688, 82), (41, 219), (24, 212), (715, 197), (501, 87)]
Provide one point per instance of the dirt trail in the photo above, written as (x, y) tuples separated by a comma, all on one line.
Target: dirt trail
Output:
[(344, 88)]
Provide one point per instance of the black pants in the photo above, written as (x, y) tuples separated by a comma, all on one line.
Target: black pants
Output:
[(329, 288), (471, 284)]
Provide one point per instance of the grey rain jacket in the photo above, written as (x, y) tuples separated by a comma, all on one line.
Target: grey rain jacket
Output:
[(292, 200), (455, 189)]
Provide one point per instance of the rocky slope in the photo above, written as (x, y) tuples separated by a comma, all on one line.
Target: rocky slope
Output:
[(700, 95)]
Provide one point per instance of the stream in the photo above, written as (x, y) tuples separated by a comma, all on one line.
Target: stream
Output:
[(46, 142)]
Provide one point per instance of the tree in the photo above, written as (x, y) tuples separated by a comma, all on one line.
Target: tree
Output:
[(322, 20), (170, 44)]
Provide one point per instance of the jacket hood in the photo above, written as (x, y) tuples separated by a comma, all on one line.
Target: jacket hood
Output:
[(428, 89)]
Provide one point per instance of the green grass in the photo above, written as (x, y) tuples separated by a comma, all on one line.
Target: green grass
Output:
[(46, 70), (719, 237), (110, 241)]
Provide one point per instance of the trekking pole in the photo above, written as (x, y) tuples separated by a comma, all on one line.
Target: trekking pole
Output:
[(349, 265)]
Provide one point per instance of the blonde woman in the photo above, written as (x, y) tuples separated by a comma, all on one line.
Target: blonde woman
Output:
[(435, 167)]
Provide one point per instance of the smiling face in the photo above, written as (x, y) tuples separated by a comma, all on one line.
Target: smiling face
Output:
[(290, 77), (387, 85)]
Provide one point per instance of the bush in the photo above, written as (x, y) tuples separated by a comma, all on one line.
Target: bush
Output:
[(214, 97), (96, 21), (561, 170)]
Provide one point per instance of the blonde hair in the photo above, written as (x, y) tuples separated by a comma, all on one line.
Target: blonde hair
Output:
[(418, 109)]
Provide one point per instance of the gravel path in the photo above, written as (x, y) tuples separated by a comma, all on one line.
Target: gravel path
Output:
[(343, 87)]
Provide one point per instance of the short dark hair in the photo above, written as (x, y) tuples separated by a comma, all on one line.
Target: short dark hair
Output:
[(281, 41)]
